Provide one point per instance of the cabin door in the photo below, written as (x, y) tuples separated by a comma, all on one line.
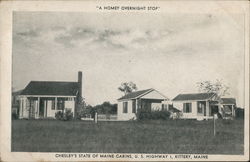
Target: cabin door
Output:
[(32, 109), (41, 108)]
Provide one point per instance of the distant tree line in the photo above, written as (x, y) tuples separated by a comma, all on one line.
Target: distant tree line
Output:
[(104, 108)]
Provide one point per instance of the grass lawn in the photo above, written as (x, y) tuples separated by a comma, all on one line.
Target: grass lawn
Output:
[(173, 136)]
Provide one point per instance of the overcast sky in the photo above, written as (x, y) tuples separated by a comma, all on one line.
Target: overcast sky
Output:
[(168, 52)]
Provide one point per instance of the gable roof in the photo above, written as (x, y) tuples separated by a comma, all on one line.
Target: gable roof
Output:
[(51, 88), (228, 100), (136, 94), (194, 96)]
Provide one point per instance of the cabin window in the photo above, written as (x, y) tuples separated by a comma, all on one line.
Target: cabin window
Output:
[(60, 104), (187, 107), (201, 106), (53, 105), (134, 106), (125, 107), (70, 99)]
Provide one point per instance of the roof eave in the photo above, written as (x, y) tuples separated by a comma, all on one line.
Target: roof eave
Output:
[(150, 90), (189, 100), (119, 100), (29, 95)]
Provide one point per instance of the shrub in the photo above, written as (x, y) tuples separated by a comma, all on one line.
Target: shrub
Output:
[(152, 115), (86, 113), (176, 115), (65, 116), (59, 115), (68, 115), (219, 115)]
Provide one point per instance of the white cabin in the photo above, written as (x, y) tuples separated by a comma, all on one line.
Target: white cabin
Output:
[(149, 99), (202, 106), (43, 99)]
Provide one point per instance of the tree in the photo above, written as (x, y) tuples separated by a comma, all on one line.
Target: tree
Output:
[(127, 87), (216, 87), (106, 108), (80, 107)]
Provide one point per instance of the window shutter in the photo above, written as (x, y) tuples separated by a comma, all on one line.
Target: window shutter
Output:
[(125, 107), (134, 106)]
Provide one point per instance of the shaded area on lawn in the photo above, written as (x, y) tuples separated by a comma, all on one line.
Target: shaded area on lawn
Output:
[(171, 136)]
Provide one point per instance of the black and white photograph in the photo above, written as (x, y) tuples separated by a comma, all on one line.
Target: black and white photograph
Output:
[(128, 82)]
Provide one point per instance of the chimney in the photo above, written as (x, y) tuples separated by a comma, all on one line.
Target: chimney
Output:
[(80, 83)]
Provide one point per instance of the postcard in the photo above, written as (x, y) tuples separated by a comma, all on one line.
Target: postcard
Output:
[(124, 80)]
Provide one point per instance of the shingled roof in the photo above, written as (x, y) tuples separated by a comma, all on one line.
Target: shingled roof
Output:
[(51, 88), (194, 96), (136, 94), (228, 100)]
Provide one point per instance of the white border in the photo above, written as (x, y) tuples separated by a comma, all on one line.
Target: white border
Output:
[(6, 9)]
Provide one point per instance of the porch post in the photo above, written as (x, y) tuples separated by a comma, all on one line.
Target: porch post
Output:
[(233, 111), (136, 105), (166, 104), (55, 103), (21, 108), (24, 107), (221, 110), (38, 107), (207, 108), (45, 108)]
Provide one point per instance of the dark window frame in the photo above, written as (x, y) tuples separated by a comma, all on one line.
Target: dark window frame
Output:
[(200, 108), (125, 107), (60, 104), (133, 106), (53, 104), (187, 107)]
